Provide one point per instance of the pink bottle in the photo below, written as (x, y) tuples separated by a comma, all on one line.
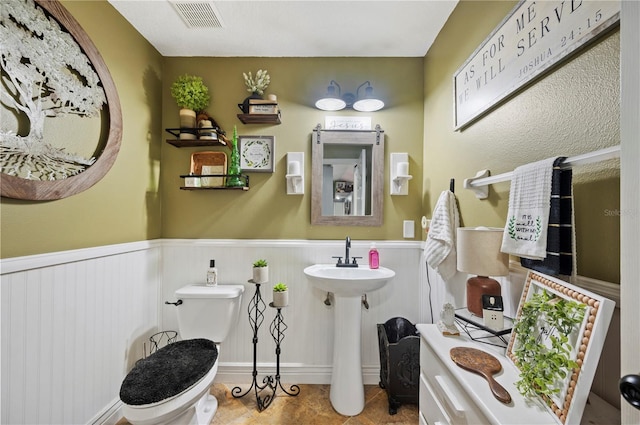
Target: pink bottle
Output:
[(374, 257)]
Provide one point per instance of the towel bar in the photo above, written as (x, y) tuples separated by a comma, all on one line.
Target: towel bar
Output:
[(481, 181)]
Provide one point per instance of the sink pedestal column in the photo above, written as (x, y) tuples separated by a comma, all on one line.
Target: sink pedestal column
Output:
[(348, 285), (347, 388)]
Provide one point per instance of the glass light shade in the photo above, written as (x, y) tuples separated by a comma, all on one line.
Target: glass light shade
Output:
[(479, 253), (330, 104), (368, 105)]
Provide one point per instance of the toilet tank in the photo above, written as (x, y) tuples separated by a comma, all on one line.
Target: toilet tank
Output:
[(208, 311)]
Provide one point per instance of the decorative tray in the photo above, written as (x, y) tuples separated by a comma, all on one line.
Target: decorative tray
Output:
[(209, 163)]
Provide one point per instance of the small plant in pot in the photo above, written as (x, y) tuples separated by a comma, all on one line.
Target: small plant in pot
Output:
[(260, 271), (280, 295), (256, 86), (192, 96)]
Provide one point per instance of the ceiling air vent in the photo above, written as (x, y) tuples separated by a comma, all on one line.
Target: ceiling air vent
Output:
[(198, 14)]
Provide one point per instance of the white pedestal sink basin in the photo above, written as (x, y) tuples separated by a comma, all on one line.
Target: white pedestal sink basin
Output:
[(348, 281), (348, 285)]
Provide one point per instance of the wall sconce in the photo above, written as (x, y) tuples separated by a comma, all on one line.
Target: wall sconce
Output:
[(400, 174), (295, 173), (336, 102)]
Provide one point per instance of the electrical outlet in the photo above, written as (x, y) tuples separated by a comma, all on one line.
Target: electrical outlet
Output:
[(493, 319)]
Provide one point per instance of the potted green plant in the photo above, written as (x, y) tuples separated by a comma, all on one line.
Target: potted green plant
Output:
[(192, 96), (280, 295), (260, 271)]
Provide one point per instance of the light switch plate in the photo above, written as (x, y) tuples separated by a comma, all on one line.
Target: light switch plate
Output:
[(408, 229)]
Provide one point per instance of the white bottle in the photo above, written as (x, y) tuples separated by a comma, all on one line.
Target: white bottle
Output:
[(212, 274)]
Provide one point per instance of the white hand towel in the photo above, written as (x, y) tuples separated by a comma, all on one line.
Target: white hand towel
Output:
[(440, 248), (528, 217)]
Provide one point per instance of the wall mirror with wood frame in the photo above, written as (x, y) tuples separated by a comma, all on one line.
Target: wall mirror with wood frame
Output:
[(347, 177)]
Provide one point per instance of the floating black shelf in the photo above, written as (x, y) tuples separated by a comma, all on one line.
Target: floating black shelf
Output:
[(242, 176), (185, 143)]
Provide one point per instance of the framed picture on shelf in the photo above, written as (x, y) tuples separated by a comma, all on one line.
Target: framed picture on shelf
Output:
[(564, 324), (257, 153), (342, 190)]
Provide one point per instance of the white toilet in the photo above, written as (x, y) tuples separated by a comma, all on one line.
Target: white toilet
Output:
[(172, 385)]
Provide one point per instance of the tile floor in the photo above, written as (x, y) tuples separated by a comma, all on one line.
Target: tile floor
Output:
[(310, 407)]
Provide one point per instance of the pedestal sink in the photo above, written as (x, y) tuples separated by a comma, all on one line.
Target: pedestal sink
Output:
[(348, 285)]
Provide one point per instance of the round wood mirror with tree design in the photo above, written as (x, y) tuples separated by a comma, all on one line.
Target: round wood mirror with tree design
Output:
[(62, 122)]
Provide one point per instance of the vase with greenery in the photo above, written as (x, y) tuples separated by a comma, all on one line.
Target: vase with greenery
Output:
[(256, 86), (260, 271), (234, 179), (192, 96), (280, 295)]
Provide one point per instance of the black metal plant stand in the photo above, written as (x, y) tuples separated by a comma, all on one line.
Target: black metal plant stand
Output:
[(277, 328), (256, 317)]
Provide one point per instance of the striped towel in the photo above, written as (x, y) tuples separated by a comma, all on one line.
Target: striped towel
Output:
[(440, 248), (560, 246)]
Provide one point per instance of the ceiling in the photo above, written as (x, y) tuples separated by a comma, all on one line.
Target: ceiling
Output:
[(290, 28)]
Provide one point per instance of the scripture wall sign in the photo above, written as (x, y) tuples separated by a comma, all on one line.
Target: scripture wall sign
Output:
[(534, 36)]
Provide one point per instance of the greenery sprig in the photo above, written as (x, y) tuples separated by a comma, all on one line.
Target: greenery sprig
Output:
[(259, 84), (538, 230), (512, 228), (542, 366)]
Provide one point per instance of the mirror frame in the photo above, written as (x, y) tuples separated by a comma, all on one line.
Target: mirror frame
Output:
[(373, 138)]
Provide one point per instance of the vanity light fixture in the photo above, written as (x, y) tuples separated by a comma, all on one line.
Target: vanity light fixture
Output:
[(333, 101)]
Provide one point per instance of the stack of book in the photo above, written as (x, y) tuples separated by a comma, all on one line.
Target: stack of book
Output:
[(263, 107)]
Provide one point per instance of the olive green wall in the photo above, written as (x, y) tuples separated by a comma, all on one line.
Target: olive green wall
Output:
[(124, 206), (572, 110), (266, 211)]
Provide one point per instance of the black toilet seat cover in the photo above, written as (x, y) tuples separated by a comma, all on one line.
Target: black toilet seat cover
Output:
[(168, 372)]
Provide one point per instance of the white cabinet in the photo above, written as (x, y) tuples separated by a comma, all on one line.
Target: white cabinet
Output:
[(452, 395)]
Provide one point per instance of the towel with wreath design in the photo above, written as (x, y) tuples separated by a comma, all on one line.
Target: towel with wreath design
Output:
[(528, 217)]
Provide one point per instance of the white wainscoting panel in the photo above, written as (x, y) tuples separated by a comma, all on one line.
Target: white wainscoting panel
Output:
[(72, 326), (73, 323), (307, 348)]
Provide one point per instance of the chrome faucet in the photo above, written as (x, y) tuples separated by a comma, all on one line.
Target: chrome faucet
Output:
[(347, 263)]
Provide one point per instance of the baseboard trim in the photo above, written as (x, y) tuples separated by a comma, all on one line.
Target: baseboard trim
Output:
[(242, 373), (109, 416)]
